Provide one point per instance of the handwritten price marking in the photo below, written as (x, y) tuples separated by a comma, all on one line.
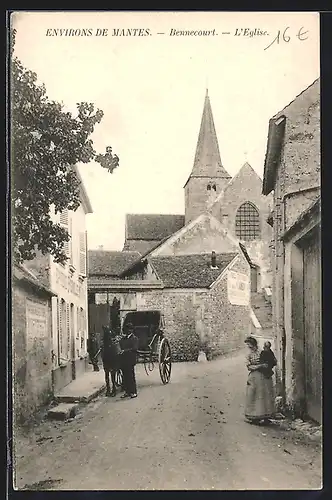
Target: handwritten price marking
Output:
[(286, 38)]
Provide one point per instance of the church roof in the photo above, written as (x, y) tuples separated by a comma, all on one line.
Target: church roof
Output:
[(190, 271), (154, 227), (107, 263), (207, 162)]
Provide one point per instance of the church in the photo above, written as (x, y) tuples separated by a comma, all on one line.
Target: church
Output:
[(207, 270)]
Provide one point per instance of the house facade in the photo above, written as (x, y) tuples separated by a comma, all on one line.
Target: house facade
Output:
[(70, 304), (292, 174), (31, 343)]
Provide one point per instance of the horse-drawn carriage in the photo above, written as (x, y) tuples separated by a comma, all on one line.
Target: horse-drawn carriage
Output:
[(153, 346)]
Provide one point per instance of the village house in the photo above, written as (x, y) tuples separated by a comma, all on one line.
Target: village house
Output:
[(223, 216), (31, 343), (68, 282), (292, 173)]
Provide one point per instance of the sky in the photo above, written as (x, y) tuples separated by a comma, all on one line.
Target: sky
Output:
[(152, 88)]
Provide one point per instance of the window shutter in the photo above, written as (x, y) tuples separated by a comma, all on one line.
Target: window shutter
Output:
[(86, 253), (78, 324), (70, 243), (83, 253), (68, 330), (60, 326), (64, 222)]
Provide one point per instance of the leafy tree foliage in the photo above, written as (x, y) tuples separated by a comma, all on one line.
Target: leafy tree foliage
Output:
[(46, 144)]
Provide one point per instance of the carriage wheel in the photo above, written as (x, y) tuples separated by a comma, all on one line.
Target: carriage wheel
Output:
[(165, 361), (118, 378)]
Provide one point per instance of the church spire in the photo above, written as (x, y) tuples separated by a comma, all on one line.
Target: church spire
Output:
[(207, 161)]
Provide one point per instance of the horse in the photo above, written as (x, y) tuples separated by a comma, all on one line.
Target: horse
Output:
[(111, 359)]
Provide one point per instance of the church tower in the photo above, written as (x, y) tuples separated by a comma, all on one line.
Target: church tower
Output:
[(208, 177)]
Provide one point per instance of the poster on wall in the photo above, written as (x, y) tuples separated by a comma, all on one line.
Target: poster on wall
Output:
[(128, 302), (36, 318), (238, 288)]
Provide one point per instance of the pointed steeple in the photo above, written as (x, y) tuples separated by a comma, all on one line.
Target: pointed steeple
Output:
[(207, 161)]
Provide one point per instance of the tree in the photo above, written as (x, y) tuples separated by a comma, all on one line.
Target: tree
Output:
[(46, 143)]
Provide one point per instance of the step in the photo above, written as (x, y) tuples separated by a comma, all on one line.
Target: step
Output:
[(82, 390), (63, 411)]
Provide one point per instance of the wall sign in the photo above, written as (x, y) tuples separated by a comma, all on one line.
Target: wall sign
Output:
[(36, 321), (238, 288)]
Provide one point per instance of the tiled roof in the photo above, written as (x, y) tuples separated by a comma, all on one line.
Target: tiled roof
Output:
[(152, 226), (190, 271), (140, 246), (21, 273), (107, 263)]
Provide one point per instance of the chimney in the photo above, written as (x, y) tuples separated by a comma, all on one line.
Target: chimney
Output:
[(100, 247), (213, 260)]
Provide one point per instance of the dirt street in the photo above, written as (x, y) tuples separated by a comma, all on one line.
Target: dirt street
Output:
[(189, 434)]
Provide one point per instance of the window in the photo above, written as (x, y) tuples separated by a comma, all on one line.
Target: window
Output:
[(64, 222), (208, 187), (82, 248), (63, 330), (214, 187), (247, 224)]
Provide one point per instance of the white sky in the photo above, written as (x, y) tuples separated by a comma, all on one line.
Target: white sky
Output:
[(152, 90)]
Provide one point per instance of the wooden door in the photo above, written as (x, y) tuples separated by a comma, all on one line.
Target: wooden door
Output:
[(253, 279), (312, 325), (99, 315)]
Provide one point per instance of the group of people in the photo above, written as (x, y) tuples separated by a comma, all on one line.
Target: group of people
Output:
[(259, 406), (118, 352)]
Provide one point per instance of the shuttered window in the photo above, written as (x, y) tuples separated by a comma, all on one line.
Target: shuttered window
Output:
[(70, 230), (78, 328), (83, 328), (63, 329), (64, 222), (83, 253), (68, 330)]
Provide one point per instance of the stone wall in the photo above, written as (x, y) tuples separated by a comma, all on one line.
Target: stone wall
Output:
[(31, 356), (227, 324), (246, 186), (179, 314), (297, 185), (197, 197), (201, 319)]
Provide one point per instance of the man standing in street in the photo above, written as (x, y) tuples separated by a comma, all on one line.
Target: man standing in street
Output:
[(129, 346), (93, 350)]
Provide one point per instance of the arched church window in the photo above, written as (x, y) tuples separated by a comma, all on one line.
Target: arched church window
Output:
[(214, 187), (208, 187), (247, 223)]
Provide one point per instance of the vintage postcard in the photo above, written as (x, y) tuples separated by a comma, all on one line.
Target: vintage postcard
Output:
[(166, 269)]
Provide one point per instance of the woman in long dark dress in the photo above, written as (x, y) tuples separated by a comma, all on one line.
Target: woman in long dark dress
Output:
[(259, 394)]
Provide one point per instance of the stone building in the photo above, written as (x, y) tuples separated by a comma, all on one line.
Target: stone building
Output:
[(204, 299), (31, 343), (220, 214), (292, 173), (70, 305)]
